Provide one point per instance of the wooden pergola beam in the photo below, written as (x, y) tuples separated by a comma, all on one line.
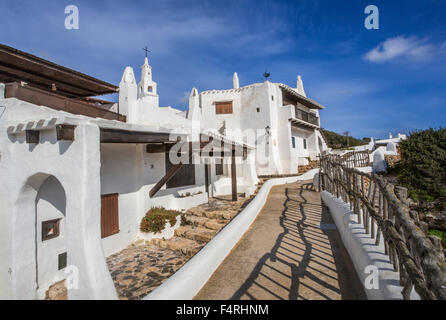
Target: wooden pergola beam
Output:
[(169, 175), (32, 136), (66, 89), (43, 72), (172, 171), (65, 132), (108, 135)]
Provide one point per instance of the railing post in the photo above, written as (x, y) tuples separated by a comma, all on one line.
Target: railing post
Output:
[(401, 193)]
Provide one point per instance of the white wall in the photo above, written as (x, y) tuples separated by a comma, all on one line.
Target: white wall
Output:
[(23, 168), (254, 108), (129, 170), (119, 174), (300, 153)]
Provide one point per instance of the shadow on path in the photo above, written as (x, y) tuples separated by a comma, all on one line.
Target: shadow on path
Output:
[(308, 259)]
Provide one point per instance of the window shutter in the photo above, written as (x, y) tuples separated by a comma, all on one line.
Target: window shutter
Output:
[(223, 107), (109, 215)]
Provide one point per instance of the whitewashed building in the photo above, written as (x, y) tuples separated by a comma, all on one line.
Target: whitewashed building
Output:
[(78, 174), (281, 121)]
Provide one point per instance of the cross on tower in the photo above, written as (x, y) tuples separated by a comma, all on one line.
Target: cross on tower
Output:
[(146, 50)]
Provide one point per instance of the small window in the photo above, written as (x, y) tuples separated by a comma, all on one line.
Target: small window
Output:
[(50, 229), (272, 98), (62, 261), (305, 143), (258, 109), (150, 89), (293, 142), (223, 107), (219, 169)]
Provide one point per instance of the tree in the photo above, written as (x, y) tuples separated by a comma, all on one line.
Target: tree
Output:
[(422, 165), (346, 133)]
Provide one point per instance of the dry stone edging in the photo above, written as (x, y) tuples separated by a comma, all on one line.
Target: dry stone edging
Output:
[(202, 223)]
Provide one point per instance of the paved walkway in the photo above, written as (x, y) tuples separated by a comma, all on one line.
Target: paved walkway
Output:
[(292, 251)]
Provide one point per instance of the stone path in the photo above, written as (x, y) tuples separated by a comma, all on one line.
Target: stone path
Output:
[(291, 251), (141, 268)]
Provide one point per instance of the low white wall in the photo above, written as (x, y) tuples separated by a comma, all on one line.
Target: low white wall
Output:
[(363, 251), (189, 279)]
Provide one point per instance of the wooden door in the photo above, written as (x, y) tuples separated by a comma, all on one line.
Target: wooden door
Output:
[(109, 215)]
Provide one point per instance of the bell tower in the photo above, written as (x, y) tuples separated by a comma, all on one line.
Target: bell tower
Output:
[(147, 88)]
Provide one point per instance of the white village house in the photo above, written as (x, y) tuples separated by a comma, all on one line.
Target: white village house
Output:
[(78, 173), (280, 121), (77, 177)]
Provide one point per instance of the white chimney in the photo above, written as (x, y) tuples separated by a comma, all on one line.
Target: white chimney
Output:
[(235, 81), (300, 86)]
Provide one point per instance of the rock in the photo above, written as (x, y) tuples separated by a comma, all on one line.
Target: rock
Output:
[(187, 247), (436, 220), (213, 224), (195, 233), (57, 291)]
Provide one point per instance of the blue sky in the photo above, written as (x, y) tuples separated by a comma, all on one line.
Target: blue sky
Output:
[(372, 82)]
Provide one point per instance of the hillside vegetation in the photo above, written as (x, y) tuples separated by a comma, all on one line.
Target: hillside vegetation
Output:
[(338, 141), (423, 166)]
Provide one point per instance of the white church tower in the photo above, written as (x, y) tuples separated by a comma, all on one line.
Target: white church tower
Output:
[(147, 88)]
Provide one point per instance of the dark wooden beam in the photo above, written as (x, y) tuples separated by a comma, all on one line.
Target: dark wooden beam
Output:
[(124, 136), (65, 132), (233, 177), (32, 136), (169, 175), (156, 148), (206, 177)]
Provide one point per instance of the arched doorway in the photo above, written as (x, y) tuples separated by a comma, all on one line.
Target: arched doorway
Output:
[(51, 240), (40, 240)]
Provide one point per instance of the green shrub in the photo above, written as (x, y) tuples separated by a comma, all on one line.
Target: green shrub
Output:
[(423, 165), (440, 234), (156, 218)]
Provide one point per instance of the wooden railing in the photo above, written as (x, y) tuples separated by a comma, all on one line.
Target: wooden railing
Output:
[(354, 159), (383, 211), (306, 116)]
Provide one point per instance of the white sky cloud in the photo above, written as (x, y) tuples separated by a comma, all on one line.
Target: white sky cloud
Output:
[(401, 47)]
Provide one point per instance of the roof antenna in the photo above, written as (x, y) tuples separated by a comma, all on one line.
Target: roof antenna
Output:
[(266, 74)]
